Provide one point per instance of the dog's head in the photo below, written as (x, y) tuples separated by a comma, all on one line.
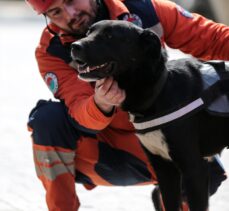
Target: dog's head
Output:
[(112, 47)]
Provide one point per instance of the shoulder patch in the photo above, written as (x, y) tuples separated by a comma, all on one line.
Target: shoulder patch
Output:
[(133, 18), (184, 12), (52, 82)]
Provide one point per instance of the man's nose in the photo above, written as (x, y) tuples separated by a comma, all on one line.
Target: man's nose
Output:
[(70, 11)]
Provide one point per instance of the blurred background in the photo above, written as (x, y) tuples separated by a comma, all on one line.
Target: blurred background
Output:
[(214, 9), (20, 88)]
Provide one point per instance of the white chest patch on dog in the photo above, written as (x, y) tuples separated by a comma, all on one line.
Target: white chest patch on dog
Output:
[(155, 142)]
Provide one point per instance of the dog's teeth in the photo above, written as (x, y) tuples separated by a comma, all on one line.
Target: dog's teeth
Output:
[(89, 69), (102, 65)]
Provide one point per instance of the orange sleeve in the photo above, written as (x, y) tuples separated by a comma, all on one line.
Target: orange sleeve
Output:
[(194, 35), (77, 94)]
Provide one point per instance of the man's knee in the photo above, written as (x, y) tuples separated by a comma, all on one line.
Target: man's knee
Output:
[(50, 124)]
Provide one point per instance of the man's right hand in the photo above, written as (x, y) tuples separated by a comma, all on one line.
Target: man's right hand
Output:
[(108, 94)]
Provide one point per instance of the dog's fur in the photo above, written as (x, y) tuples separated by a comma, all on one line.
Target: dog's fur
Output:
[(134, 58)]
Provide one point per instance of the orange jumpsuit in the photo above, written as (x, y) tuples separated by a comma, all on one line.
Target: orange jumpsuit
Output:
[(57, 164)]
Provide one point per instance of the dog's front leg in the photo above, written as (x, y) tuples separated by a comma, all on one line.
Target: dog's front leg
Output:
[(195, 181), (169, 181), (183, 139)]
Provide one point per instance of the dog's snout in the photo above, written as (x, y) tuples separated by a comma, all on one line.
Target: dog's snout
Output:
[(76, 47), (77, 53), (77, 50)]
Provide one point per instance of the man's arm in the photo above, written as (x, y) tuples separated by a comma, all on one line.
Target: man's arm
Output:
[(192, 33), (77, 94)]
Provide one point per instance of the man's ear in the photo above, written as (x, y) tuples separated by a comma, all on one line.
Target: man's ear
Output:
[(151, 43)]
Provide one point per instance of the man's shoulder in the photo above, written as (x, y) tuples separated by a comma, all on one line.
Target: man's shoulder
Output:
[(53, 43), (48, 33), (46, 36), (142, 12)]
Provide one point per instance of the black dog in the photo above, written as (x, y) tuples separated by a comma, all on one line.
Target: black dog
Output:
[(159, 92)]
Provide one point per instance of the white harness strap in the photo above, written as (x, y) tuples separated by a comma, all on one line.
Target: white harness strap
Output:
[(169, 117)]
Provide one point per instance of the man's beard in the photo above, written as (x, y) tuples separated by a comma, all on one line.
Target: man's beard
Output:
[(83, 27)]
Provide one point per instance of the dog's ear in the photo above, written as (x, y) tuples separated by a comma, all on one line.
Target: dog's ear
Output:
[(151, 43)]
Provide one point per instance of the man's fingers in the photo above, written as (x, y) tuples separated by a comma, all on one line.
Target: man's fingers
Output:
[(104, 85), (113, 91), (99, 83), (108, 94), (119, 98)]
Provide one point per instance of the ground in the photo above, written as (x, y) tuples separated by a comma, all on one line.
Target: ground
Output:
[(20, 87)]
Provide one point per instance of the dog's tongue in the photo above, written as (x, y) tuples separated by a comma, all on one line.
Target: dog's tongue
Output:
[(81, 68)]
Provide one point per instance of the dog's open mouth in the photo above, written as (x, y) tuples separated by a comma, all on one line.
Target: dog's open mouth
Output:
[(83, 69), (94, 72)]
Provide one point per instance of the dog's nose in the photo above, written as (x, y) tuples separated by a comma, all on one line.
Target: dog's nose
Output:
[(76, 47)]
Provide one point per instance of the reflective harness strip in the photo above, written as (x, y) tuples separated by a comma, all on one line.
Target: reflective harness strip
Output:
[(170, 117)]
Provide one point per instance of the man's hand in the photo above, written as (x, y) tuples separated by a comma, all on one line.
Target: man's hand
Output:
[(108, 94)]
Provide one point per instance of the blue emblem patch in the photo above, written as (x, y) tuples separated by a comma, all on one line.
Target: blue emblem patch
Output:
[(52, 82), (184, 12)]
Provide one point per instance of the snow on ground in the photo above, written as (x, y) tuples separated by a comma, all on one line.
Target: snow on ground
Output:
[(20, 87)]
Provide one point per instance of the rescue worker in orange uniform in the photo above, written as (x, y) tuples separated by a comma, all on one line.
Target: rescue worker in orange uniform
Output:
[(85, 137)]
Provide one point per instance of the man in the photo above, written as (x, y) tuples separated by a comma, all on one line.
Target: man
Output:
[(86, 137)]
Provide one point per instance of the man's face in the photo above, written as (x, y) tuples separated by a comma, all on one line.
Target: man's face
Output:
[(73, 16)]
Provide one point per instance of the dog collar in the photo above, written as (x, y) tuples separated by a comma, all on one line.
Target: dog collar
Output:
[(159, 86)]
